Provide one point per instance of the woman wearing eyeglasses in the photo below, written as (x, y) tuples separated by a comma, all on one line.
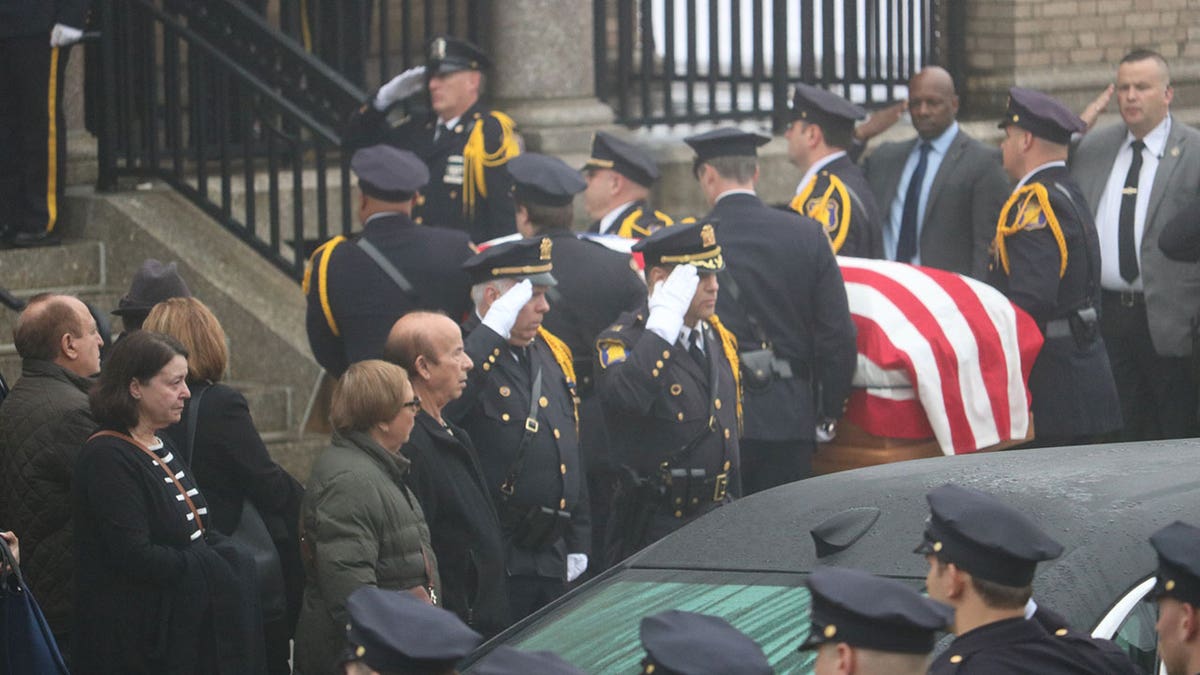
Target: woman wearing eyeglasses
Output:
[(361, 525)]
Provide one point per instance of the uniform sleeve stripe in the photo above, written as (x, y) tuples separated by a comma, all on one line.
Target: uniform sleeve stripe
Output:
[(323, 286), (52, 143)]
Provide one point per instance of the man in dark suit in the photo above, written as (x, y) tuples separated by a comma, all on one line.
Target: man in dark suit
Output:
[(446, 476), (784, 298), (1047, 261), (595, 285), (1137, 176), (357, 288), (464, 143), (833, 190), (947, 218), (619, 176), (669, 386), (519, 407)]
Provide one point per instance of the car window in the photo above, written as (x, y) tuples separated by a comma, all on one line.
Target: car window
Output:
[(1130, 624), (598, 630)]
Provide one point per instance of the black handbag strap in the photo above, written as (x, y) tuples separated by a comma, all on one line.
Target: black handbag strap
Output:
[(531, 427), (10, 566), (730, 285), (192, 417)]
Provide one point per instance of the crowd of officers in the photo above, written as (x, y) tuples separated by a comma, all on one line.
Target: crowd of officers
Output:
[(593, 405)]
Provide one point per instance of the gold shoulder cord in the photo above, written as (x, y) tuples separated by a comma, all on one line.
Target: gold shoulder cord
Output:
[(320, 259), (730, 347), (1027, 196), (820, 211), (476, 158), (562, 356), (630, 228)]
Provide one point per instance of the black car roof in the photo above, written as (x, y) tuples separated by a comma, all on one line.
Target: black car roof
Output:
[(1100, 502)]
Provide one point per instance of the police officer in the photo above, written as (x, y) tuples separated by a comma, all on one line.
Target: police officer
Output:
[(833, 189), (1177, 592), (867, 625), (595, 285), (464, 143), (982, 557), (687, 643), (619, 177), (1046, 259), (519, 407), (357, 288), (34, 39), (783, 297), (392, 632), (669, 386)]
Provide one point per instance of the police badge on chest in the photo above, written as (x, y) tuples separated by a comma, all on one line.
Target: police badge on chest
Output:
[(454, 170)]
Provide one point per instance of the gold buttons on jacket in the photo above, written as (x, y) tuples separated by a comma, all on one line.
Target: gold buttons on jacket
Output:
[(654, 372), (726, 433), (505, 392), (562, 468), (562, 503), (557, 434), (676, 389), (543, 401), (658, 364), (666, 353), (680, 417), (505, 417), (717, 403), (487, 367), (957, 658)]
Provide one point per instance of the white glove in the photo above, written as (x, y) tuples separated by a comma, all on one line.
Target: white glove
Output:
[(503, 313), (826, 430), (670, 302), (400, 87), (576, 565), (63, 35)]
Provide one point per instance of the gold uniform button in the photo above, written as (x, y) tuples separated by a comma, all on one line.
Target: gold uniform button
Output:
[(562, 503), (830, 631), (654, 372), (496, 351), (676, 389), (679, 514), (557, 433), (717, 403), (454, 194), (649, 669), (937, 546), (487, 367), (666, 353), (727, 463), (418, 220), (658, 364), (491, 358), (505, 392), (726, 436), (680, 417), (1060, 632), (957, 658), (1170, 586), (505, 417), (562, 468), (543, 401)]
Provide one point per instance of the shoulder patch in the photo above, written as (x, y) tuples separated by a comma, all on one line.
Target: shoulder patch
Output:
[(611, 352)]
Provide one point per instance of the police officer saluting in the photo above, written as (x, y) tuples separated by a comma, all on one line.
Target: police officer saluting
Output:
[(867, 625), (1177, 592), (833, 190), (669, 387), (619, 177), (464, 143), (982, 557), (1046, 259), (519, 407)]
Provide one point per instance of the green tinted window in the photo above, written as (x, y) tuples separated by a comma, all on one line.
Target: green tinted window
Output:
[(599, 631)]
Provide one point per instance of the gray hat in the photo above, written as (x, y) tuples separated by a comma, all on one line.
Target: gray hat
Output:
[(389, 173), (152, 283)]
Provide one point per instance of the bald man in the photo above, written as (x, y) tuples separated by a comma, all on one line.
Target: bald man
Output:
[(941, 192)]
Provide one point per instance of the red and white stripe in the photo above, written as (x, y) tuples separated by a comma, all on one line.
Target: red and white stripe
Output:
[(940, 355)]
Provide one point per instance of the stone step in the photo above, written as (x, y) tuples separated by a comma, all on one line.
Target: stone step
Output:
[(75, 264), (296, 455), (270, 405)]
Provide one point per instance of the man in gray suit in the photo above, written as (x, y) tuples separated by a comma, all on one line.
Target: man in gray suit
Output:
[(946, 218), (1136, 177)]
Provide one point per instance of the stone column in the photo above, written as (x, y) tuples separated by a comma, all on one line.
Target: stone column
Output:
[(544, 73)]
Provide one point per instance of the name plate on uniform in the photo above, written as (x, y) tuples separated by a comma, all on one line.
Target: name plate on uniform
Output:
[(454, 170)]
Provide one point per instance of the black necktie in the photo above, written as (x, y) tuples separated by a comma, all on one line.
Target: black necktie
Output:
[(906, 245), (440, 131), (694, 347), (1126, 246)]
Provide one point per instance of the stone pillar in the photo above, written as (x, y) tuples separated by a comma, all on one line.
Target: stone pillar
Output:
[(544, 72)]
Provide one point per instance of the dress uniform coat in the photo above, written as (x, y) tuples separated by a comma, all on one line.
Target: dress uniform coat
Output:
[(839, 197), (1016, 645), (1055, 624), (469, 188), (659, 400), (448, 481), (789, 281), (353, 303), (1071, 382), (493, 409), (636, 221)]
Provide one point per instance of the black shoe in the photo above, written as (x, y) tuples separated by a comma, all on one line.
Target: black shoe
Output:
[(35, 240)]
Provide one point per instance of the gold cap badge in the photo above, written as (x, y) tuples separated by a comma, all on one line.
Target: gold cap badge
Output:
[(546, 244), (437, 50), (708, 237)]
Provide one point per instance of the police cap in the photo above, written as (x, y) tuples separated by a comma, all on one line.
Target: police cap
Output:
[(627, 159), (396, 631), (388, 173), (818, 106), (505, 660), (448, 54), (726, 142), (686, 643), (1178, 548), (687, 243), (545, 180), (984, 536), (521, 259), (1041, 115), (867, 611)]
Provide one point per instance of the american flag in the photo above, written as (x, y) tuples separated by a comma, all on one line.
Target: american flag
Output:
[(939, 355)]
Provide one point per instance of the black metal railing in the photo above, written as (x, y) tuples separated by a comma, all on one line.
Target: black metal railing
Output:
[(686, 61)]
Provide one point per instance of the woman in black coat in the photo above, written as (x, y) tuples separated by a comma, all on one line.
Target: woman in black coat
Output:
[(229, 459), (153, 594)]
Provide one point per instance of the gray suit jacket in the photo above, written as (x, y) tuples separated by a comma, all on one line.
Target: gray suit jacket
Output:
[(963, 205), (1172, 288)]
